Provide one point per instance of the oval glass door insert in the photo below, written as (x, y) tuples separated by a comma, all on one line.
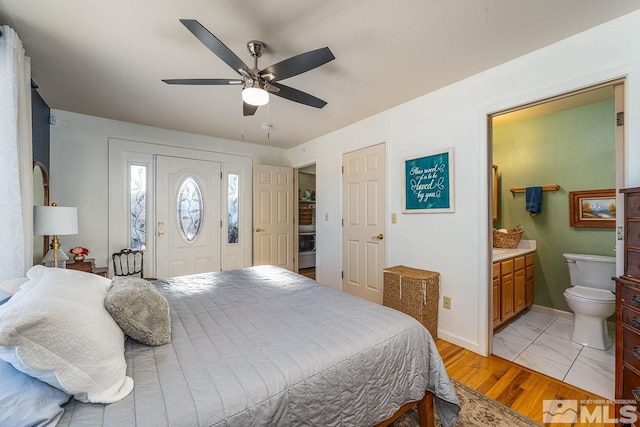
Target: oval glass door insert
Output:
[(189, 209)]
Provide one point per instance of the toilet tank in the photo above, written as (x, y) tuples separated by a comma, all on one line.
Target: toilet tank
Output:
[(592, 271)]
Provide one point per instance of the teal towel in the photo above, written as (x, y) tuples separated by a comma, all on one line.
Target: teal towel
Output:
[(533, 202)]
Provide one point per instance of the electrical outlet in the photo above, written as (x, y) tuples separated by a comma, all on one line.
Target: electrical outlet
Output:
[(446, 302)]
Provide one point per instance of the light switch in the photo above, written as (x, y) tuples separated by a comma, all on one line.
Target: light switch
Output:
[(394, 218), (326, 216)]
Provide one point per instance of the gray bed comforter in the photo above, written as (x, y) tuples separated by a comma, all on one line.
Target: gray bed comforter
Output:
[(263, 346)]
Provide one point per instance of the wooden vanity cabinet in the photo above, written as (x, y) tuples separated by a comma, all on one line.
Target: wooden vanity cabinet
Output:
[(513, 287), (530, 279), (496, 294), (506, 289)]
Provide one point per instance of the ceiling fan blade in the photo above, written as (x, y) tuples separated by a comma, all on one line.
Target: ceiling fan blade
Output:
[(297, 64), (214, 45), (248, 109), (203, 81), (296, 95)]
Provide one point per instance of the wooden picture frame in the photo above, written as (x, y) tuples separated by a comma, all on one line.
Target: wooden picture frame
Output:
[(592, 208), (428, 183)]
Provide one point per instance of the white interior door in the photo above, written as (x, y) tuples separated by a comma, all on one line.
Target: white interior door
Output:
[(187, 216), (363, 251), (273, 216)]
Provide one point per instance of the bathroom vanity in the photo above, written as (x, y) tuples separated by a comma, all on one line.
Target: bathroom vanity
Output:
[(514, 281)]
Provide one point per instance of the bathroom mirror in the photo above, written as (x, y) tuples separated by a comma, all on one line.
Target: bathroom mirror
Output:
[(40, 198)]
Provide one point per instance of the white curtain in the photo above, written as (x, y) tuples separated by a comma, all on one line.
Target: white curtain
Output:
[(16, 176)]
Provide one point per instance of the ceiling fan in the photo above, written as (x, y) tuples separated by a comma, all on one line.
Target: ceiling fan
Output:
[(257, 84)]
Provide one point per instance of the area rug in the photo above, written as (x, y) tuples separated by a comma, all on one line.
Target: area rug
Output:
[(477, 410)]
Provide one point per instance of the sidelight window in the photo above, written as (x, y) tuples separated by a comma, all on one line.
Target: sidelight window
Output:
[(233, 221), (137, 206)]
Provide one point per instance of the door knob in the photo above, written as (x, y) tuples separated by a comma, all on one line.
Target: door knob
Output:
[(160, 233), (258, 230), (378, 237), (160, 224)]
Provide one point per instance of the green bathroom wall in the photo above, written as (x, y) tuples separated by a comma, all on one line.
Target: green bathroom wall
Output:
[(575, 149)]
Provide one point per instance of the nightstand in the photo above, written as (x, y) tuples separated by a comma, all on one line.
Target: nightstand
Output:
[(88, 265)]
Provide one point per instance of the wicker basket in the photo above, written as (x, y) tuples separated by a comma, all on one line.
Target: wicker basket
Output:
[(508, 240), (305, 215), (414, 292)]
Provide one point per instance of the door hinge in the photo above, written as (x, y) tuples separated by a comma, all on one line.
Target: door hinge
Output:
[(342, 222), (220, 223), (342, 274), (620, 118), (220, 175), (342, 170)]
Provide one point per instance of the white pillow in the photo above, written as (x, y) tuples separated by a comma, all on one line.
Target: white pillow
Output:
[(57, 330)]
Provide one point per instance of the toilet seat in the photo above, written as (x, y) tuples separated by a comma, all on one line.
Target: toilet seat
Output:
[(590, 294)]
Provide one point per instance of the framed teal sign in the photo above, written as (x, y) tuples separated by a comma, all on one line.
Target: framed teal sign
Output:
[(428, 183)]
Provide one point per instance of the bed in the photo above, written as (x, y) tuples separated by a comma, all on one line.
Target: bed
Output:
[(265, 346)]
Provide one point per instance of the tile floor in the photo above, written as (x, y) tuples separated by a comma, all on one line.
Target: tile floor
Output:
[(542, 342)]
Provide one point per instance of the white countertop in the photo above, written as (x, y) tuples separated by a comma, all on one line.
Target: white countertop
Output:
[(524, 247)]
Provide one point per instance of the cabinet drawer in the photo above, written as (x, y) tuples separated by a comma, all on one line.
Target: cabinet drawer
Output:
[(630, 296), (530, 259), (633, 234), (518, 263), (630, 384), (633, 205), (496, 270), (631, 352), (506, 267), (632, 268), (631, 318)]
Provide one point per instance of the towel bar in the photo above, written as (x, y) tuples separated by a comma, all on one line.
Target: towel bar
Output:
[(554, 187)]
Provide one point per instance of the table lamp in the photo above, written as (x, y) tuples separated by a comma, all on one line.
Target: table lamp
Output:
[(55, 221)]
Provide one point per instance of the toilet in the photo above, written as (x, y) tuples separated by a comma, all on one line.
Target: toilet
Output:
[(591, 298)]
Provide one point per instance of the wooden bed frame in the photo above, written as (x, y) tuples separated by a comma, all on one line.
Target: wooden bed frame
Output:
[(425, 412)]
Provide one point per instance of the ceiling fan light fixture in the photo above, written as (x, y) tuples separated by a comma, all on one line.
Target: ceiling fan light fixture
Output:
[(255, 96)]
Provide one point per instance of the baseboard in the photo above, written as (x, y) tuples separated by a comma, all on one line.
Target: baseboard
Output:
[(459, 341), (552, 311)]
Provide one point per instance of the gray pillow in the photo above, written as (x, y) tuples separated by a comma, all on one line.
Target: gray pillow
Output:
[(140, 310)]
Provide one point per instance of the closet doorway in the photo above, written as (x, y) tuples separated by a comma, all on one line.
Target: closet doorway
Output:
[(306, 230)]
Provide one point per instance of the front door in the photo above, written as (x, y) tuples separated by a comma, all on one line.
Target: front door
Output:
[(363, 250), (187, 216), (273, 216)]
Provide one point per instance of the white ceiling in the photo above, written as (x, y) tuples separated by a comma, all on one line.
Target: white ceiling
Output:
[(106, 58)]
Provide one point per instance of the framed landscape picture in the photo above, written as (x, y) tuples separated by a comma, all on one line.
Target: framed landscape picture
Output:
[(428, 183), (592, 208)]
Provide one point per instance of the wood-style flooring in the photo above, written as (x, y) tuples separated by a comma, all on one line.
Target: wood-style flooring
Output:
[(515, 386), (308, 272)]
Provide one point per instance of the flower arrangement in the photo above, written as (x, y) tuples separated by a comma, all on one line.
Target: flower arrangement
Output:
[(79, 253)]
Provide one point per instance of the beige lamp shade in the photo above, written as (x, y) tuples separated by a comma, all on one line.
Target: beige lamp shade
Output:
[(55, 220)]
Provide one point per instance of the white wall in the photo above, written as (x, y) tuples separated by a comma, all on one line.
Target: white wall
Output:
[(79, 168), (457, 244)]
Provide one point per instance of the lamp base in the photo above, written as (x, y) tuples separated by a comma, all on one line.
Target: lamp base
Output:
[(49, 261)]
